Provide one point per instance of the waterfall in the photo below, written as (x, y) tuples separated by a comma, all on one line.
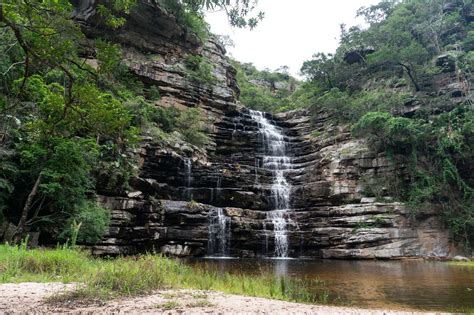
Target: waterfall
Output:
[(218, 188), (278, 163), (188, 170), (219, 233)]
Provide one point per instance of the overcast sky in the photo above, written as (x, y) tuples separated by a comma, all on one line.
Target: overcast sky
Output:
[(292, 31)]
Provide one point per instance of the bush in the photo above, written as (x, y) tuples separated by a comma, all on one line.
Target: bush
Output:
[(199, 70), (154, 93), (264, 98), (384, 131), (344, 107), (92, 220), (192, 20), (191, 125)]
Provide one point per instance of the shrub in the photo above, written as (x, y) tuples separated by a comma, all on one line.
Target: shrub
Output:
[(199, 70), (192, 20), (191, 125), (154, 93), (93, 221)]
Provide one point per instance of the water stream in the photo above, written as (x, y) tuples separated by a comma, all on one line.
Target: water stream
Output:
[(188, 172), (276, 160), (219, 233)]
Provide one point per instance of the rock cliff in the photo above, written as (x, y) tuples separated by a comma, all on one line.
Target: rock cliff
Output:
[(188, 201)]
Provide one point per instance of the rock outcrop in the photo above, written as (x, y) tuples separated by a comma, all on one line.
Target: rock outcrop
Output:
[(180, 188)]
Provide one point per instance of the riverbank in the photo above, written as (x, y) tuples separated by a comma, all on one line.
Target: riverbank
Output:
[(105, 279), (66, 279), (36, 298)]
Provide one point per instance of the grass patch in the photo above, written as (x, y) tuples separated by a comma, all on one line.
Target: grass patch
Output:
[(200, 303), (17, 264), (169, 305), (130, 276), (173, 295), (199, 296)]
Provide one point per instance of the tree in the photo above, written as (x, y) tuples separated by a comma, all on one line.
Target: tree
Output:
[(237, 10), (377, 13), (321, 69), (63, 116)]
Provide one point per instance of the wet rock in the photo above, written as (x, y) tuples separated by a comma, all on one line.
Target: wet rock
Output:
[(460, 258), (176, 250)]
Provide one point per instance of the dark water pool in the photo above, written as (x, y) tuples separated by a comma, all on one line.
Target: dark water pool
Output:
[(375, 284)]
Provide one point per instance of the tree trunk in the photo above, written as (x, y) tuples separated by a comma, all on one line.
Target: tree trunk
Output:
[(20, 229), (410, 75)]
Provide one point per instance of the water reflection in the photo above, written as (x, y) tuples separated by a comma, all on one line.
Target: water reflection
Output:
[(280, 268), (392, 284)]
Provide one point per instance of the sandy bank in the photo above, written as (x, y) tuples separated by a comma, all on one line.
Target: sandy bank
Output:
[(30, 298)]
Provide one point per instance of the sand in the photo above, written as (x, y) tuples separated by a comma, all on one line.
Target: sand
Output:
[(30, 298)]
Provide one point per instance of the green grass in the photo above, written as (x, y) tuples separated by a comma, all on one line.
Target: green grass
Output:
[(169, 305), (130, 276), (17, 264)]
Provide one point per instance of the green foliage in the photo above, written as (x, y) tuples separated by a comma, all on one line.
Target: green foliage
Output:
[(237, 11), (66, 122), (191, 125), (321, 68), (439, 177), (402, 40), (110, 12), (108, 57), (258, 88), (91, 221), (8, 174), (344, 107), (199, 70), (59, 135), (65, 170), (154, 93), (189, 122), (147, 115), (385, 131), (189, 16)]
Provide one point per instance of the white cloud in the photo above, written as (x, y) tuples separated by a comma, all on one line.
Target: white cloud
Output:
[(291, 32)]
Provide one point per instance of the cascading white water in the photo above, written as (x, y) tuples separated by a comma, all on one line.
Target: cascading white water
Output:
[(219, 233), (216, 192), (188, 170), (278, 163)]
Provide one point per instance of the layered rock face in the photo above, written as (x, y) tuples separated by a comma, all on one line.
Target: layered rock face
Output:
[(329, 215), (226, 199)]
